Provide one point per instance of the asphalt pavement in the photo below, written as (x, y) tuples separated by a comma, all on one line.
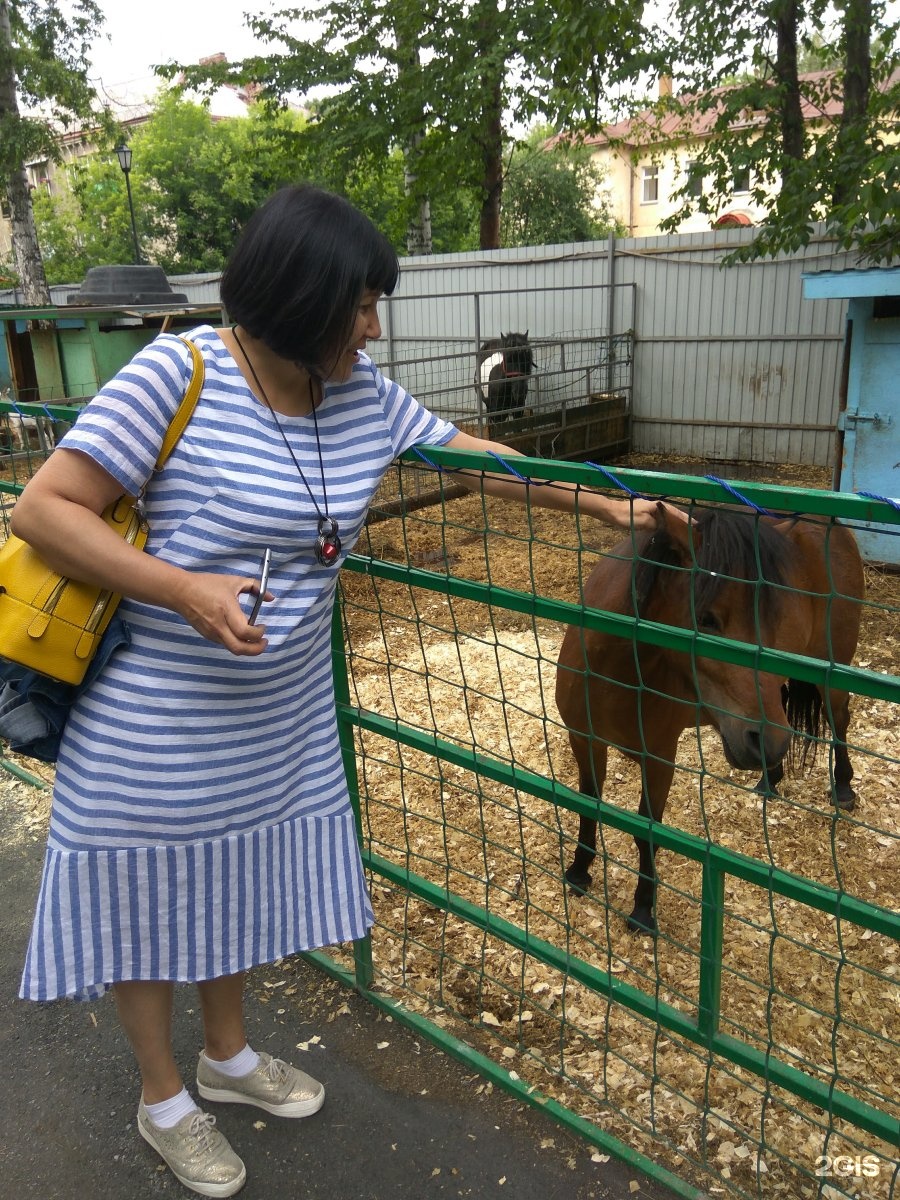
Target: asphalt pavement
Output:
[(401, 1121)]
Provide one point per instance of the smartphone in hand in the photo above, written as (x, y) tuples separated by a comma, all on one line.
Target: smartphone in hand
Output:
[(261, 584)]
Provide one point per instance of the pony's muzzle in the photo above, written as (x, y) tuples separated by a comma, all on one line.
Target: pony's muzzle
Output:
[(750, 747)]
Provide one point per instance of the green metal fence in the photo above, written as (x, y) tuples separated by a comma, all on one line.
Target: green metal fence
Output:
[(751, 1048)]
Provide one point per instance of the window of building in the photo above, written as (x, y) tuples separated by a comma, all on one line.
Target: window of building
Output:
[(650, 186), (694, 173), (742, 180)]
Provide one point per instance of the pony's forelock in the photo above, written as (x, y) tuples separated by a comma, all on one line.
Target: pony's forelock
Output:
[(728, 545)]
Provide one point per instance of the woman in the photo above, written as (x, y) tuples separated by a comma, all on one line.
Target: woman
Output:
[(201, 822)]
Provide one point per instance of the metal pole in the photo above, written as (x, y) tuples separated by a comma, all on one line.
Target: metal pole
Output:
[(611, 310), (137, 249)]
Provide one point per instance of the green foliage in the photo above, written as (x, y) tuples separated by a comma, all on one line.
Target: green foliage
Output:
[(837, 170), (551, 195), (440, 82), (9, 276), (195, 182), (198, 180), (47, 59)]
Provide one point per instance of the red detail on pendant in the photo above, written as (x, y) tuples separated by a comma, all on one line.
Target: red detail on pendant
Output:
[(330, 551)]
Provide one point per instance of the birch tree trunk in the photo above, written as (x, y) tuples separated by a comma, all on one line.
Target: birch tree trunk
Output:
[(418, 231), (26, 250)]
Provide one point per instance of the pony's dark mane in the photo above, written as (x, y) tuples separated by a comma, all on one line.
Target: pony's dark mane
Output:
[(728, 545)]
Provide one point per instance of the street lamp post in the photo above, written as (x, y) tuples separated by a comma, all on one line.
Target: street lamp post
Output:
[(123, 154)]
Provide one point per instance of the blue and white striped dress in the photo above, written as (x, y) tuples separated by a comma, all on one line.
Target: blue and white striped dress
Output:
[(201, 821)]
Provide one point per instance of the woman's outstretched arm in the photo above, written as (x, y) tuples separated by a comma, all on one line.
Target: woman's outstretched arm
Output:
[(563, 497)]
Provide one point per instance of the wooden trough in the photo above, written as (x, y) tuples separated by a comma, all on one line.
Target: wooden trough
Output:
[(599, 427)]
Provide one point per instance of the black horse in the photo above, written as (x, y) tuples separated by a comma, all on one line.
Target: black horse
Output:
[(501, 375)]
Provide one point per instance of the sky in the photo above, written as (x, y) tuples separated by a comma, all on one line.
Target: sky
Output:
[(136, 37)]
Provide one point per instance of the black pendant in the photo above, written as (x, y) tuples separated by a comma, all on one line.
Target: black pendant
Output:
[(328, 544)]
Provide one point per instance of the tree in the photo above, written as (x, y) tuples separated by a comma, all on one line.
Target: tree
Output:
[(441, 81), (840, 169), (43, 64), (196, 181), (200, 179), (550, 195)]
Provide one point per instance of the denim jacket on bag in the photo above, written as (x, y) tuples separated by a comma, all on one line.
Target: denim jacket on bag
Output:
[(34, 708)]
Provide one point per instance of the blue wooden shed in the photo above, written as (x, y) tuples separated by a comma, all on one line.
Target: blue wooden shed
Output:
[(868, 433)]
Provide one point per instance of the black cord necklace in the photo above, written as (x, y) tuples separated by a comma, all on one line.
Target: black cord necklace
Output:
[(328, 543)]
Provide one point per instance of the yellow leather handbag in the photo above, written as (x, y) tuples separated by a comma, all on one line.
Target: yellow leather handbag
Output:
[(52, 624)]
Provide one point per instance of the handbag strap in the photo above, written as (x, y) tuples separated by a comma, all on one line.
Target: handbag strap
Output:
[(186, 407)]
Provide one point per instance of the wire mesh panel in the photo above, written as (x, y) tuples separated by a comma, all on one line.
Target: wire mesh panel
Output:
[(750, 1045), (580, 348), (28, 433), (576, 400)]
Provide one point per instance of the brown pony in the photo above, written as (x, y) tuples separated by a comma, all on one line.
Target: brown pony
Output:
[(788, 584)]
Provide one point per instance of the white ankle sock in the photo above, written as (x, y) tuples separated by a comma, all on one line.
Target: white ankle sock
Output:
[(242, 1064), (168, 1113)]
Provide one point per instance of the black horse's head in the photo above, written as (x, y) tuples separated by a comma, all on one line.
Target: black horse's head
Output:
[(518, 358)]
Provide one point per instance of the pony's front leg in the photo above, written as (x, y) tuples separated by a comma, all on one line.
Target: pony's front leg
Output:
[(657, 781), (839, 720), (770, 779), (590, 783), (578, 876)]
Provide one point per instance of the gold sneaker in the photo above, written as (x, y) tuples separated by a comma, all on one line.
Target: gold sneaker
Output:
[(273, 1085), (197, 1154)]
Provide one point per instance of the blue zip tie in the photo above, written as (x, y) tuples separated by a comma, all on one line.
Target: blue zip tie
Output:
[(512, 470), (616, 482), (895, 504), (26, 415), (429, 461), (763, 512)]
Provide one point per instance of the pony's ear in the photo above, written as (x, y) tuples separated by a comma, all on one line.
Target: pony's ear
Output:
[(682, 536), (786, 526)]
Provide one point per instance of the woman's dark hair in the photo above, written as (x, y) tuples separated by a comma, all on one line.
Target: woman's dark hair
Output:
[(299, 269)]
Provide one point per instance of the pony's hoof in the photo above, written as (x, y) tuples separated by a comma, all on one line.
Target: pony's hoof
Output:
[(642, 921), (578, 881), (764, 788), (845, 800)]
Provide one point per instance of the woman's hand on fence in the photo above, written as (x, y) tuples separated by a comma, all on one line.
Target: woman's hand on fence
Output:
[(646, 514)]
